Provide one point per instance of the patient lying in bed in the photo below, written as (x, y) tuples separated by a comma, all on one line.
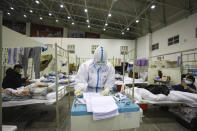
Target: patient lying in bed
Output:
[(36, 89)]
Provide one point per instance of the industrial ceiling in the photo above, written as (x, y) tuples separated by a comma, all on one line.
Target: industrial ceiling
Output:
[(127, 19)]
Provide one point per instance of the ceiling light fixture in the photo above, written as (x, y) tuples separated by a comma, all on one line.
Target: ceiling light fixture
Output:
[(37, 2), (128, 28), (109, 15), (87, 21), (57, 21), (72, 23), (106, 24), (31, 11), (11, 8), (41, 18), (62, 6), (25, 16), (104, 29), (8, 13), (153, 7), (122, 33), (137, 21), (50, 14), (86, 10), (88, 26), (68, 17)]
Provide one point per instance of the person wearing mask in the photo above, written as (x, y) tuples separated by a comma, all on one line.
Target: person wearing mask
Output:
[(97, 75), (187, 85), (13, 78)]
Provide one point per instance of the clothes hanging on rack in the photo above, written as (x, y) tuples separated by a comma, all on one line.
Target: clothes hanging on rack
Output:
[(141, 65), (179, 61), (33, 53), (14, 55), (130, 67)]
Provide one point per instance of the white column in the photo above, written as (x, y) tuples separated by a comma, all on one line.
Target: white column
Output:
[(134, 62), (28, 29), (65, 32), (1, 74), (150, 45)]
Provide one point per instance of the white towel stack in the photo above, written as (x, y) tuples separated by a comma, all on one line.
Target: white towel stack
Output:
[(103, 107)]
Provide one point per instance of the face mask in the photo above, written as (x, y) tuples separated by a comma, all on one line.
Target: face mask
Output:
[(20, 71), (188, 82)]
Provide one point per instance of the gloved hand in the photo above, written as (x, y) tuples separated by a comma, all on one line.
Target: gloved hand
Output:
[(79, 93), (105, 92)]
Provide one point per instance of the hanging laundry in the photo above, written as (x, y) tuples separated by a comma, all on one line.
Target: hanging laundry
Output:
[(33, 53), (141, 65), (14, 55)]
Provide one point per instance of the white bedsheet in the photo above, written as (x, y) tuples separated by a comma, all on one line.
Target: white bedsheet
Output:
[(142, 95), (129, 80), (25, 102), (50, 99)]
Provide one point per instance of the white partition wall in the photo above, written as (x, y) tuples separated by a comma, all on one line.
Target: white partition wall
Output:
[(83, 45), (14, 39), (185, 28)]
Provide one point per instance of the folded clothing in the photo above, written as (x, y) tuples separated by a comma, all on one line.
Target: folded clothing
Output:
[(104, 107)]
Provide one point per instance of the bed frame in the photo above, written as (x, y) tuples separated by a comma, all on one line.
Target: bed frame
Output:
[(60, 93)]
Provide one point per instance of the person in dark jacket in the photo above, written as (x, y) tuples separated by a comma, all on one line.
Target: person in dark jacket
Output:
[(13, 78), (187, 85)]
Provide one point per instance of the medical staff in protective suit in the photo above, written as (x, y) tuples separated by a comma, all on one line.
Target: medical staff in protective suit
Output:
[(97, 75)]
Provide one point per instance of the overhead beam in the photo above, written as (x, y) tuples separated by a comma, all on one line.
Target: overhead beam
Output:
[(164, 12), (139, 15), (95, 26), (101, 9), (169, 5), (50, 11), (188, 6), (171, 17), (149, 23), (106, 22), (75, 15)]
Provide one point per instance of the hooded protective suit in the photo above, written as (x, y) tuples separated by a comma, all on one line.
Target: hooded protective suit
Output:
[(95, 75)]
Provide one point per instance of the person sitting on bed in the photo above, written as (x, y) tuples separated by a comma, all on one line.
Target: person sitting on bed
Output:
[(187, 85), (13, 78), (183, 76)]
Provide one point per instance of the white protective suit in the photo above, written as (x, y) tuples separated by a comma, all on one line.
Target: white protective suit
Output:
[(94, 77)]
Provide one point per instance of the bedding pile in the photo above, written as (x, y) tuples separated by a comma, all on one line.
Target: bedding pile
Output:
[(141, 94)]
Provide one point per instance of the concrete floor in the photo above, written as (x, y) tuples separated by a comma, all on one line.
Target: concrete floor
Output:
[(42, 118)]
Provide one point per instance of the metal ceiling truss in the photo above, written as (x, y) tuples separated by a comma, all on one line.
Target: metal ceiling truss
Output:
[(98, 14), (65, 16)]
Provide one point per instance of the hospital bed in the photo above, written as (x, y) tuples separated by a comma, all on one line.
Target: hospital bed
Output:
[(56, 96), (129, 81), (143, 96)]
